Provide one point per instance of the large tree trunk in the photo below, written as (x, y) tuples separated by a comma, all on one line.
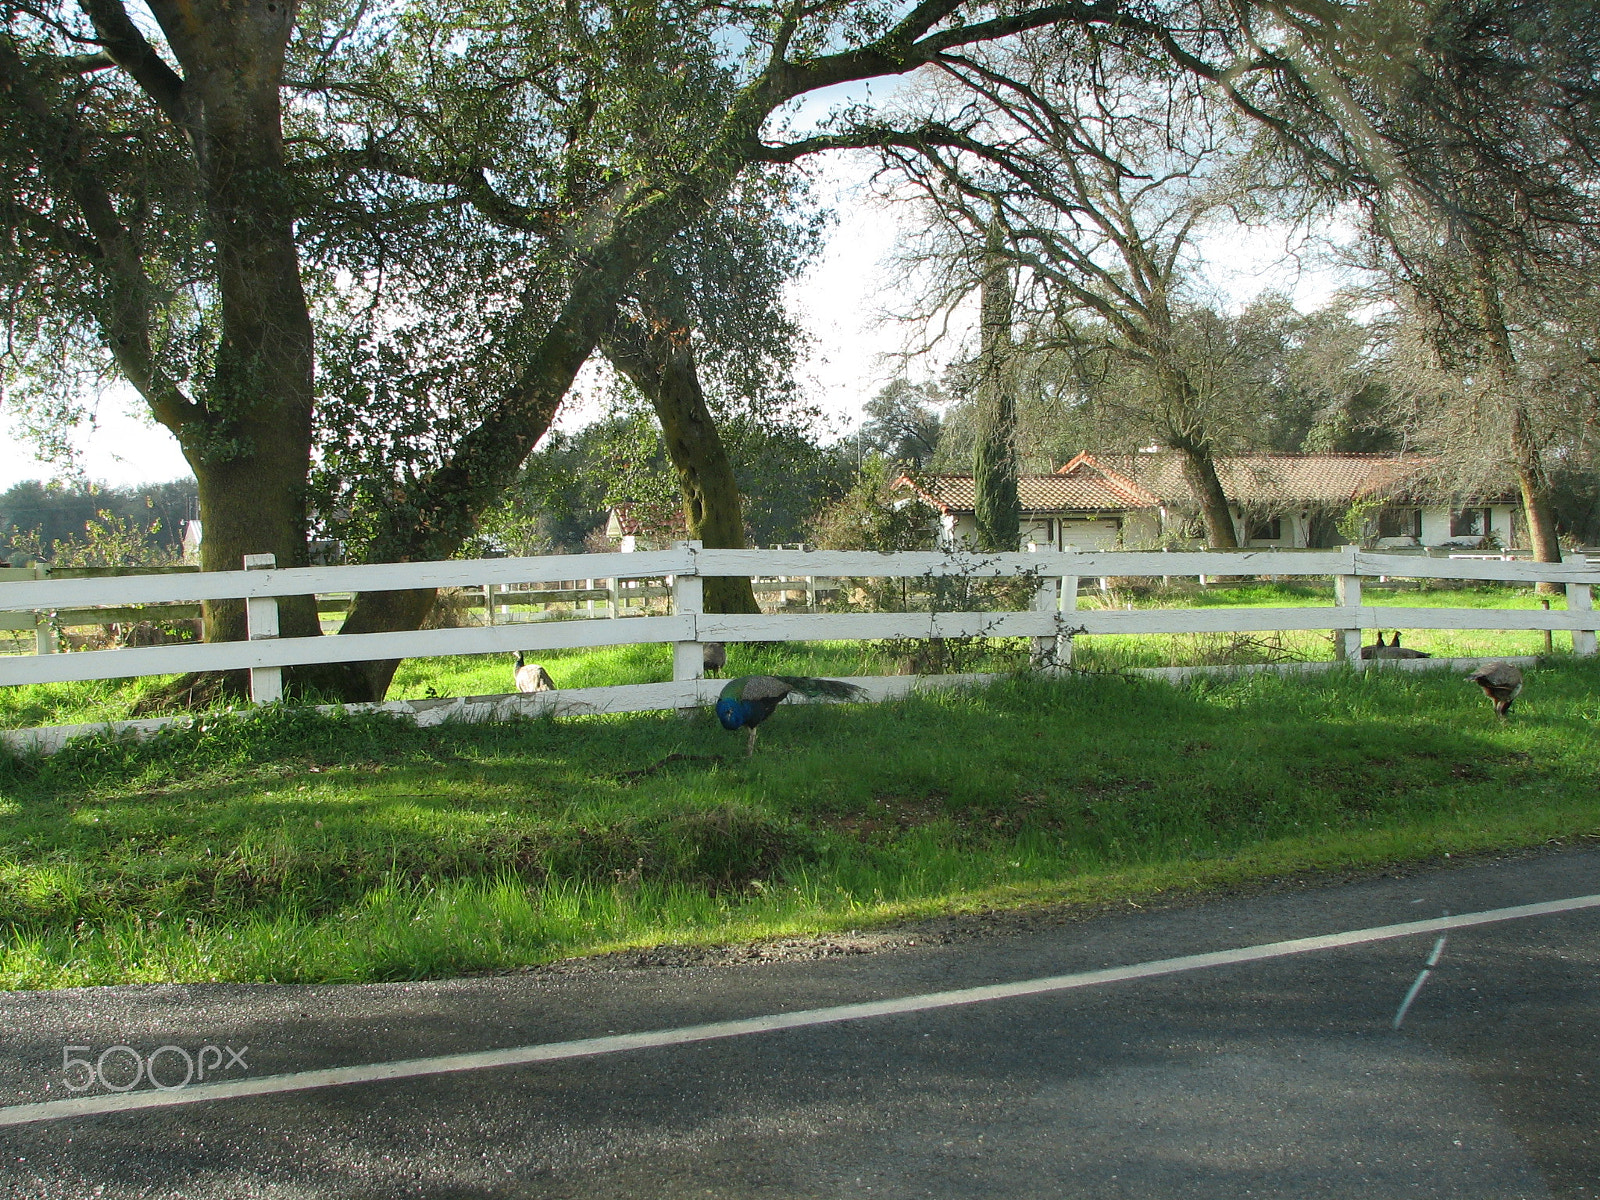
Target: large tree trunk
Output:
[(383, 612), (1535, 490), (1200, 472), (436, 518), (1526, 458), (253, 455), (248, 440), (997, 505), (661, 364)]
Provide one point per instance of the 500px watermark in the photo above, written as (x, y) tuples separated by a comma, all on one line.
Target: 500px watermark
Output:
[(168, 1068)]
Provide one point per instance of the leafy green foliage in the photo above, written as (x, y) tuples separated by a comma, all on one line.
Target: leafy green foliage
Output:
[(560, 500), (902, 423), (998, 512), (785, 476), (82, 524), (875, 514), (108, 541)]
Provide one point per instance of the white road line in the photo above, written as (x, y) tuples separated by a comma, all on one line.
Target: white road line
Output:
[(300, 1081), (1433, 961)]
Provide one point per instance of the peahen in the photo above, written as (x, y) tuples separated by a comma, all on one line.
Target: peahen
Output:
[(531, 677), (713, 657), (1500, 681), (1392, 650), (749, 700)]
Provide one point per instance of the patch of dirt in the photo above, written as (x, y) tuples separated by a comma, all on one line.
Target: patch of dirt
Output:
[(891, 814)]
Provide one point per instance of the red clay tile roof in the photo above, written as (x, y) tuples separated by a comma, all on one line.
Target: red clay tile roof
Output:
[(1038, 493), (1325, 479), (1125, 482)]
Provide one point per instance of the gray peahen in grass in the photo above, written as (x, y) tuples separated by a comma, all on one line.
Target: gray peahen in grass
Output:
[(1501, 682), (713, 657), (531, 677), (749, 700), (1392, 650)]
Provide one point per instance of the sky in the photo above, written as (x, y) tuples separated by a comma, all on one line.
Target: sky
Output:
[(841, 300)]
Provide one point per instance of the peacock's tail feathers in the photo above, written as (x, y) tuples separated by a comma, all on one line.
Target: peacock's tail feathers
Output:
[(818, 689), (750, 688)]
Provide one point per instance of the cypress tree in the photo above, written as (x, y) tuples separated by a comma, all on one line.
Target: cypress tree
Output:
[(994, 456)]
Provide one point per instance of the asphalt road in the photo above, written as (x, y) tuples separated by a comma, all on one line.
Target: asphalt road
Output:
[(1283, 1077)]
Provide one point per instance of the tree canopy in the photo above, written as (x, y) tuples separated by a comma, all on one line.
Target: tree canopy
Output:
[(355, 257)]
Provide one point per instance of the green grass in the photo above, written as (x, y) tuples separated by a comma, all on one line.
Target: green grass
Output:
[(287, 845), (80, 703)]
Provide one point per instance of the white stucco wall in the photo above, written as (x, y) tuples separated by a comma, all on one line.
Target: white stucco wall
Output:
[(1035, 530), (1082, 535), (1142, 528), (1436, 524)]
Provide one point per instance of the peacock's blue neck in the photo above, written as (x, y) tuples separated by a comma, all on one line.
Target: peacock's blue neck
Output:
[(733, 714)]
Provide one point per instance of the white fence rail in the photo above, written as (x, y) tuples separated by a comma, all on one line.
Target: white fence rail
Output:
[(1052, 621)]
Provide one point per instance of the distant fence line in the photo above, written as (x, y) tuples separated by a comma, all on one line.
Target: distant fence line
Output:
[(499, 603), (1052, 620)]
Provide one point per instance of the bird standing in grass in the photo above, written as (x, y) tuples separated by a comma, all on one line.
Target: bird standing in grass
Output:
[(1393, 650), (749, 700), (1500, 681), (531, 677), (713, 657)]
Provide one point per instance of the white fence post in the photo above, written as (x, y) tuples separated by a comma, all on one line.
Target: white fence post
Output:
[(1581, 599), (688, 600), (1046, 599), (46, 639), (1068, 604), (1059, 596), (261, 622), (1347, 594)]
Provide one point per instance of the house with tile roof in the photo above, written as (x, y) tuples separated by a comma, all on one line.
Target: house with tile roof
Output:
[(1291, 501)]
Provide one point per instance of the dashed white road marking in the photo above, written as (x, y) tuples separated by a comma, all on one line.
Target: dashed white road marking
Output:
[(300, 1081)]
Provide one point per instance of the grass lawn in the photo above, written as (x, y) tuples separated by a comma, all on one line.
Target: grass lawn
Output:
[(286, 845)]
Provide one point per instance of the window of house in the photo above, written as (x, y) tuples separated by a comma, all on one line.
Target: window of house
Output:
[(1264, 529), (1469, 522), (1400, 522)]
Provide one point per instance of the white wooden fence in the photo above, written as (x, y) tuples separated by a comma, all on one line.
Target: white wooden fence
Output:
[(1052, 621)]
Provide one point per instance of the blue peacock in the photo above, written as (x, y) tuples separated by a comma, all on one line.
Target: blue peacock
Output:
[(749, 700)]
